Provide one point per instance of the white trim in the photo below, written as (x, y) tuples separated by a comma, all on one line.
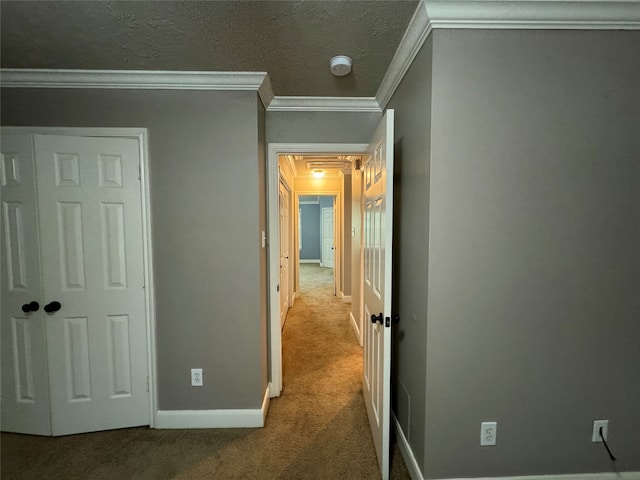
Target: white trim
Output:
[(534, 14), (273, 218), (569, 476), (355, 327), (345, 298), (417, 32), (265, 91), (314, 260), (406, 451), (491, 14), (223, 418), (324, 104), (139, 134), (133, 79), (416, 474)]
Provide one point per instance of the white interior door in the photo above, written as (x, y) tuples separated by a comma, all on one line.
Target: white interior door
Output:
[(327, 237), (378, 234), (25, 388), (285, 201)]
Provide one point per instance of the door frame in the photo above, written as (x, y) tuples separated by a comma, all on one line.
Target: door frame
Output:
[(141, 135), (338, 220), (273, 240)]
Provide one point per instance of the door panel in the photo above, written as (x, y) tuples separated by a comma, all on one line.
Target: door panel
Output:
[(25, 388), (90, 225), (327, 237), (378, 210), (285, 201)]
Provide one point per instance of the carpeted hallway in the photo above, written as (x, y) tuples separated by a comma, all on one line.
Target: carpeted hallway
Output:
[(317, 428)]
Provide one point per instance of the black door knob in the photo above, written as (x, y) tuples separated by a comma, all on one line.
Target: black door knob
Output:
[(376, 318), (52, 307), (30, 307)]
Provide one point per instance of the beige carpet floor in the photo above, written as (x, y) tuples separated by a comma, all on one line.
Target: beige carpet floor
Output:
[(317, 428)]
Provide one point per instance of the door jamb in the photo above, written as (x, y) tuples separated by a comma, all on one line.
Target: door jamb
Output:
[(273, 179), (141, 135)]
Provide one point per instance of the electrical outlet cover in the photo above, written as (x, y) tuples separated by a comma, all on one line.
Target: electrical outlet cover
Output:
[(595, 436), (488, 433), (196, 377)]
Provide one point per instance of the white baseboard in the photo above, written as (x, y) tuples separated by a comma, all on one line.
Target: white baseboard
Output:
[(570, 476), (355, 327), (345, 298), (224, 418), (409, 458), (311, 261), (416, 474)]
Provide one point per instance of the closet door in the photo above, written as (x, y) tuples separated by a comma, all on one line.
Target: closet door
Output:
[(25, 389), (90, 219)]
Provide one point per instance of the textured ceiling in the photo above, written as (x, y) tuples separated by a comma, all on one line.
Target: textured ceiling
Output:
[(291, 40)]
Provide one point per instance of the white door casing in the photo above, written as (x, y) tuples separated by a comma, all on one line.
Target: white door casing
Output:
[(92, 262), (378, 235), (328, 240), (285, 202), (25, 388)]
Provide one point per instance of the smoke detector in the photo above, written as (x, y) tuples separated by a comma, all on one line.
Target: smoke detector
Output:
[(340, 65)]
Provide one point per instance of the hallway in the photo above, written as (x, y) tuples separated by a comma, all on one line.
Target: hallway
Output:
[(317, 428)]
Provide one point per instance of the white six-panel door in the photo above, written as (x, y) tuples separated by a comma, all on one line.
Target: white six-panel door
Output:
[(89, 222), (327, 237), (25, 389), (378, 234)]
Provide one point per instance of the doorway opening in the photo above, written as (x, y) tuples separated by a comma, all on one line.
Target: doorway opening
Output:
[(285, 166)]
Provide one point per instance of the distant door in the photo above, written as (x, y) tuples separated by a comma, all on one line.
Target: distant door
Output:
[(285, 202), (327, 237), (25, 383), (378, 231), (90, 252)]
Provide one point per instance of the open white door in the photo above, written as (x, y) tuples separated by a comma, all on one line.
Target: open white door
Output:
[(378, 231), (25, 386)]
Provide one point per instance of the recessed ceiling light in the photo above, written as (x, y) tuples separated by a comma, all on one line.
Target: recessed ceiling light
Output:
[(318, 173), (340, 65)]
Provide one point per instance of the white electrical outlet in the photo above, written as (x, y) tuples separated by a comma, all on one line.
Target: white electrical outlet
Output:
[(196, 377), (595, 436), (488, 433)]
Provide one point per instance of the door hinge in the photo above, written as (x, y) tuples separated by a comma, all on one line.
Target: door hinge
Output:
[(139, 172), (147, 383)]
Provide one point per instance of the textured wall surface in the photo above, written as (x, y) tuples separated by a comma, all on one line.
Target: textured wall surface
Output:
[(206, 207), (534, 267), (412, 104)]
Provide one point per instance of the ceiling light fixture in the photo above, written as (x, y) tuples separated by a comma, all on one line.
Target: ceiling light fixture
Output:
[(318, 173), (340, 65)]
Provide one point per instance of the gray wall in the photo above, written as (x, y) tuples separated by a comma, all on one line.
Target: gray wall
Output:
[(264, 275), (321, 127), (534, 267), (412, 104), (310, 227), (206, 152)]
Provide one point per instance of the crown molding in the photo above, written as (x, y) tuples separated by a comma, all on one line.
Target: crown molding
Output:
[(535, 14), (265, 91), (135, 79), (512, 14), (417, 32), (324, 104)]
